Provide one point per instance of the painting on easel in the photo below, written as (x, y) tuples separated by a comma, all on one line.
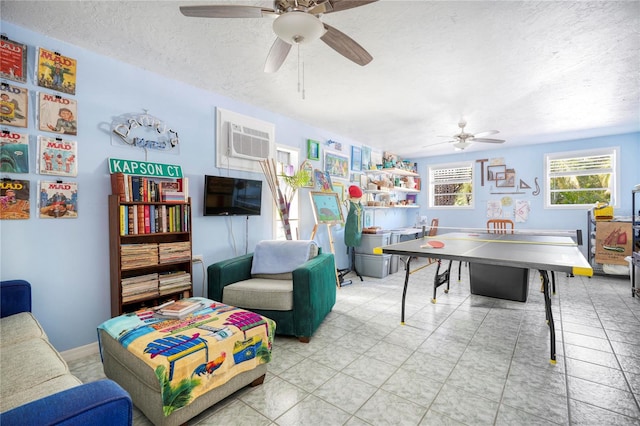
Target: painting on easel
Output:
[(326, 207)]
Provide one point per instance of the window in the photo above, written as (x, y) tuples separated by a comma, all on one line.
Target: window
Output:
[(581, 178), (451, 185), (286, 163)]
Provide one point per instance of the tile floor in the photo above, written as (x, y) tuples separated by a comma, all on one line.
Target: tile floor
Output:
[(466, 360)]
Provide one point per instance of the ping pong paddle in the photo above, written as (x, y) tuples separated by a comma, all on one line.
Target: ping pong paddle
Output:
[(433, 244)]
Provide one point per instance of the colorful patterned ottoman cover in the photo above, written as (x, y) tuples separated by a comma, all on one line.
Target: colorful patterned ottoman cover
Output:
[(184, 361)]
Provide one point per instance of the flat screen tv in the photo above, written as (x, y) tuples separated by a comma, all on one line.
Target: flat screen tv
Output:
[(228, 196)]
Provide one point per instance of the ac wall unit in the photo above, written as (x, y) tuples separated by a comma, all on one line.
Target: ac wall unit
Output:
[(248, 143)]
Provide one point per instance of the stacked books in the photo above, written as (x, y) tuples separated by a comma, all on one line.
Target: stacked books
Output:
[(138, 255), (175, 252), (172, 282), (139, 287), (179, 309)]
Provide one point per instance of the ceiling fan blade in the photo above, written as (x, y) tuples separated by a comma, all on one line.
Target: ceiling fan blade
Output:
[(219, 11), (340, 5), (437, 143), (324, 7), (277, 54), (346, 46), (486, 133), (485, 140)]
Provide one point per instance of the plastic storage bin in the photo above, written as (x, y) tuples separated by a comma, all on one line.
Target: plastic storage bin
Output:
[(502, 282), (373, 265), (371, 241)]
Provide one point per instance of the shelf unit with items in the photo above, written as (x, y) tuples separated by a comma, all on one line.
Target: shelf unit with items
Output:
[(635, 229), (150, 257), (400, 178)]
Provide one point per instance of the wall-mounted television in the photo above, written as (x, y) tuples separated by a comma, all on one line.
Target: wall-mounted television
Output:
[(228, 196)]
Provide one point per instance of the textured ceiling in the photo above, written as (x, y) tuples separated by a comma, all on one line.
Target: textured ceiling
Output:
[(537, 71)]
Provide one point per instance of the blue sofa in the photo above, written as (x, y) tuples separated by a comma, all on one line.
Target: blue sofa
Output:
[(37, 387)]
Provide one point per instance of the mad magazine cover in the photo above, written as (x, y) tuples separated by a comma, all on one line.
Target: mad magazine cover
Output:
[(13, 60), (57, 156), (14, 199), (58, 200), (14, 152), (57, 114), (14, 105), (56, 72)]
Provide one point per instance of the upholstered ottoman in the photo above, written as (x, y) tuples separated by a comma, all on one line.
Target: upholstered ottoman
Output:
[(208, 355)]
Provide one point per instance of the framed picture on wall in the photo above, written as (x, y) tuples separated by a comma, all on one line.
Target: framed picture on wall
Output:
[(366, 158), (509, 180), (322, 181), (493, 172), (336, 165), (313, 150), (356, 158), (339, 188)]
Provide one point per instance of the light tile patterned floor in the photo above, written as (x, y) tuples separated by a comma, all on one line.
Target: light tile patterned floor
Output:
[(466, 360)]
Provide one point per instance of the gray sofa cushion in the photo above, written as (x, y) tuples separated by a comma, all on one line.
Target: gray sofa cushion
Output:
[(260, 293), (31, 370), (20, 327)]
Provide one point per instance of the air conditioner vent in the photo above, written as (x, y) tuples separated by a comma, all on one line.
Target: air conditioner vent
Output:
[(248, 143)]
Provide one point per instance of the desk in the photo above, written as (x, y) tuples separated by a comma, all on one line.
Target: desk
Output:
[(540, 252)]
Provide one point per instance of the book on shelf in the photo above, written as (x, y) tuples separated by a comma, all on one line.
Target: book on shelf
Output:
[(149, 190), (179, 308)]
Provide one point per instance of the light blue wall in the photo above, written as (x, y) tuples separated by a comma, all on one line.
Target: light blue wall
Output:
[(528, 163), (67, 261)]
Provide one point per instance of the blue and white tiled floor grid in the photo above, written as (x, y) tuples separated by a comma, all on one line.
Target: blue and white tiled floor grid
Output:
[(466, 360)]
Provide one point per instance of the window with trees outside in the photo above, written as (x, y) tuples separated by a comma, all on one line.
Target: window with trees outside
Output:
[(451, 185), (581, 178)]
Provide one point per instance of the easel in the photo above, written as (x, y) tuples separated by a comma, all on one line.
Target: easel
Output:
[(313, 234), (327, 211)]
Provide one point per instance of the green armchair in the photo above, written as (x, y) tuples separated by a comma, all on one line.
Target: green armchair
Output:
[(298, 301)]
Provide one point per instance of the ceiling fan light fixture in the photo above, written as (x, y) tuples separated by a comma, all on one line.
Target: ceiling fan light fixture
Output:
[(461, 145), (298, 27)]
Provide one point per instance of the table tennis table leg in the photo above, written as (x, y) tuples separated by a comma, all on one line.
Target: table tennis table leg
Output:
[(544, 276), (404, 292), (441, 278)]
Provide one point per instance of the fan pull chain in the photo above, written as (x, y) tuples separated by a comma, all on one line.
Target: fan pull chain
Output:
[(300, 73)]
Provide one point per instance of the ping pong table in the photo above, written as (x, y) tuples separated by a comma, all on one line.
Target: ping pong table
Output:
[(544, 253)]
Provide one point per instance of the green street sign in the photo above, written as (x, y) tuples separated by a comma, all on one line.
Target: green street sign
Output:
[(144, 168)]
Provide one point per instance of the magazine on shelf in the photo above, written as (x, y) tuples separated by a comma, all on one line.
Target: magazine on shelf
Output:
[(58, 200), (57, 156), (14, 199), (14, 105), (57, 114), (56, 72), (13, 60), (14, 151)]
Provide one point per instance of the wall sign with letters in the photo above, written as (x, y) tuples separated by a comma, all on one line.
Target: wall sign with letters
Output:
[(144, 131)]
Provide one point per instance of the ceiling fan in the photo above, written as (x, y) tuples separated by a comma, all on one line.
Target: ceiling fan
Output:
[(297, 22), (464, 140)]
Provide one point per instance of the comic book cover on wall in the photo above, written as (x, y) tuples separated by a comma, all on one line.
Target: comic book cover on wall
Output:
[(13, 60), (58, 200), (57, 114), (57, 156), (56, 72), (14, 105), (14, 152), (14, 199)]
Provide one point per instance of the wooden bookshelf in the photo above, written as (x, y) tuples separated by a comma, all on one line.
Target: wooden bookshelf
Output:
[(160, 251)]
